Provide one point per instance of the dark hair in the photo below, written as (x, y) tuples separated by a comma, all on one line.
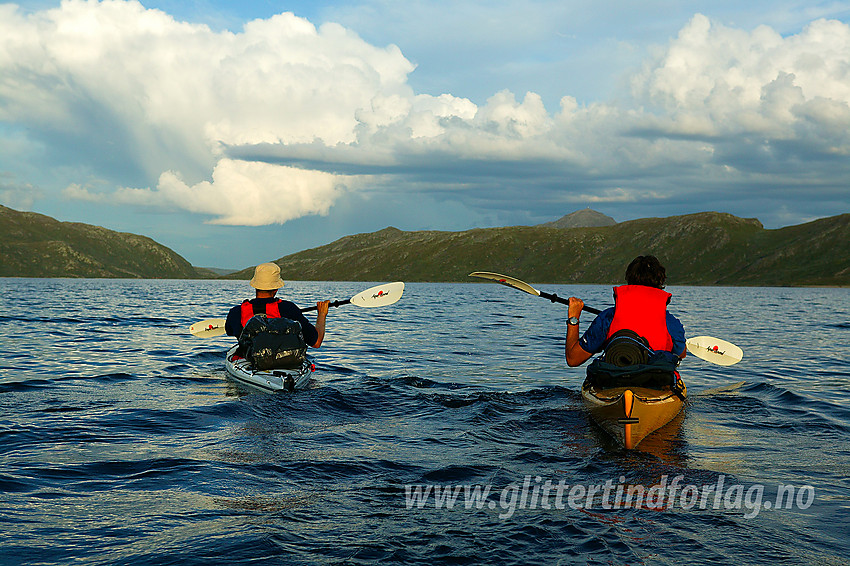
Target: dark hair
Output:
[(646, 270)]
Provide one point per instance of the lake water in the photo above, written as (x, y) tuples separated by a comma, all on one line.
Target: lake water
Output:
[(123, 441)]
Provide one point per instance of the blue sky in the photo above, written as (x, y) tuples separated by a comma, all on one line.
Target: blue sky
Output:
[(238, 132)]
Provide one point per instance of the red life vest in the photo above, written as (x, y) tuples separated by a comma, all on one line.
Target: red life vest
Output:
[(643, 310), (272, 311)]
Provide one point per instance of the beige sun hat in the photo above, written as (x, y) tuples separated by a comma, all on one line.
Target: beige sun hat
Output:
[(267, 277)]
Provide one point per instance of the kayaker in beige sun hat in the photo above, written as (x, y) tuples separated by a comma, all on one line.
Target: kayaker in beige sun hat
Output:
[(267, 277), (267, 281)]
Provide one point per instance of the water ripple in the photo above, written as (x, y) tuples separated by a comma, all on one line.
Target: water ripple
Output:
[(117, 426)]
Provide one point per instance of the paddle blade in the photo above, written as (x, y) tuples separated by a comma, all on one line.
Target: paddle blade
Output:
[(379, 296), (506, 280), (715, 350), (208, 328)]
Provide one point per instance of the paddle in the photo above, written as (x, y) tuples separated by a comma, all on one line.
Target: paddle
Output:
[(710, 349), (377, 296), (715, 350), (514, 283), (208, 328)]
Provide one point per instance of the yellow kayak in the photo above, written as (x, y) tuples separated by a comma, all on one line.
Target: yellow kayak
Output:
[(629, 414)]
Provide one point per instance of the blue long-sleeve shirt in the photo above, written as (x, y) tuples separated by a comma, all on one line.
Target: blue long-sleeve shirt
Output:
[(594, 338)]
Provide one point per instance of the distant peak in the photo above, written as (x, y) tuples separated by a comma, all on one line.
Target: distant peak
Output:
[(585, 218)]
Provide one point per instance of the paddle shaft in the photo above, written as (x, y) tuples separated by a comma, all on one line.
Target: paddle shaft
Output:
[(556, 299), (520, 285), (333, 304)]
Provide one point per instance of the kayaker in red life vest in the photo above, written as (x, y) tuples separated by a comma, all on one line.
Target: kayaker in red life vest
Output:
[(640, 306), (267, 281)]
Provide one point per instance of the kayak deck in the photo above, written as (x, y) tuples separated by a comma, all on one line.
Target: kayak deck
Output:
[(629, 414), (269, 380)]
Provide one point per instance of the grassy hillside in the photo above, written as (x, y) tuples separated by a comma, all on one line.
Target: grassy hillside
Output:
[(34, 245), (698, 249)]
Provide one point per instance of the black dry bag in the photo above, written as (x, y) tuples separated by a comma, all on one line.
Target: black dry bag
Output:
[(273, 343)]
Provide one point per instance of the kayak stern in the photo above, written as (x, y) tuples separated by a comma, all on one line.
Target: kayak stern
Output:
[(270, 380), (629, 414)]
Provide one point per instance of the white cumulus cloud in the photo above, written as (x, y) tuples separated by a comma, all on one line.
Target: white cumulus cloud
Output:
[(277, 120), (716, 80), (717, 99), (241, 193), (138, 88)]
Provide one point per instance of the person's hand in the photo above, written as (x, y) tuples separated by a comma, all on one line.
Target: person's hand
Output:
[(322, 308), (575, 307)]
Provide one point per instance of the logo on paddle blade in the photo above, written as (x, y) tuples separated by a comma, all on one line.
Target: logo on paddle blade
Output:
[(380, 294)]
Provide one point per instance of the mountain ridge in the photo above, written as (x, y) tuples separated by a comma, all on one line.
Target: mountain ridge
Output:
[(36, 245), (707, 248)]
